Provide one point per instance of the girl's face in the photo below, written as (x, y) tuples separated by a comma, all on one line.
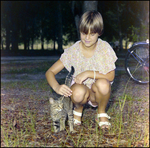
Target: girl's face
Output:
[(89, 39)]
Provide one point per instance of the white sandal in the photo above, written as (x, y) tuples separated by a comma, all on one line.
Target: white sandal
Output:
[(77, 122), (103, 123)]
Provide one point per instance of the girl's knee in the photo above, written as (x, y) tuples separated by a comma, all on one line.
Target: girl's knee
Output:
[(79, 93), (102, 85)]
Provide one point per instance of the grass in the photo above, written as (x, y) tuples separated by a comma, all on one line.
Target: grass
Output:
[(21, 68), (33, 85), (26, 134), (30, 125)]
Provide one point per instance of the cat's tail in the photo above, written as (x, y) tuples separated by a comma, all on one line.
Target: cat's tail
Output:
[(69, 77), (72, 70), (70, 74)]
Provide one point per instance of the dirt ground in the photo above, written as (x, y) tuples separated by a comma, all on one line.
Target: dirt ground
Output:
[(23, 97)]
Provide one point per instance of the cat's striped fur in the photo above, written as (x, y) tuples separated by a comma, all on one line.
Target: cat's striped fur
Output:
[(59, 109)]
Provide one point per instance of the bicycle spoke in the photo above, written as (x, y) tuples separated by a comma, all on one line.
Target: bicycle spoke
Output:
[(137, 63), (135, 55)]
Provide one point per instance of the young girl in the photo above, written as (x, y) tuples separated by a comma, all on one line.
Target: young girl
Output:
[(94, 63)]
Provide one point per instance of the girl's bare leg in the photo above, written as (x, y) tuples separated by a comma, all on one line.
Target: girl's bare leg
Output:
[(80, 96), (102, 90)]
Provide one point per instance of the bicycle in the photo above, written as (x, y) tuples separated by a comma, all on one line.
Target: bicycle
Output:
[(137, 62)]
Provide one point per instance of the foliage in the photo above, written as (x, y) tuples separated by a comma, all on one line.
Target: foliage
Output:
[(26, 21), (134, 33)]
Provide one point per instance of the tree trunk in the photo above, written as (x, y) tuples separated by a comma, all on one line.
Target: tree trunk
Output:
[(7, 39), (77, 19), (89, 5), (47, 42), (28, 44), (120, 41), (2, 41), (42, 43), (76, 12), (54, 48), (60, 31), (32, 36), (32, 43), (42, 39), (126, 41), (119, 31), (14, 39), (25, 43)]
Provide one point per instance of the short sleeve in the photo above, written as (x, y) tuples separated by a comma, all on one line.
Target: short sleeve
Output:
[(66, 59), (106, 59)]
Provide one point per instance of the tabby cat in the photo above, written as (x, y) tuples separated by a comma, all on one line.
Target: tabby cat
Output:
[(59, 109)]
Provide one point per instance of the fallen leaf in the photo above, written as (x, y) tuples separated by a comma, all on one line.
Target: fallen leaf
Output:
[(54, 136), (123, 141), (112, 135), (14, 123)]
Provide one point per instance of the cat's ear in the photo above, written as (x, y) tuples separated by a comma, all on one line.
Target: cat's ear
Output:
[(51, 100)]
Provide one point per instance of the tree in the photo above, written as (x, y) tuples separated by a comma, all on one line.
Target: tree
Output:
[(6, 23), (77, 12), (69, 27), (59, 24), (139, 10), (15, 25), (116, 20), (26, 21)]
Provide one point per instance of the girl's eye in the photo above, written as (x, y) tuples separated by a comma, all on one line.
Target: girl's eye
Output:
[(83, 33), (92, 34)]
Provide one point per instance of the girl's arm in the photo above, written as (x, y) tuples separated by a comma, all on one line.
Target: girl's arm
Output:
[(90, 74), (50, 76)]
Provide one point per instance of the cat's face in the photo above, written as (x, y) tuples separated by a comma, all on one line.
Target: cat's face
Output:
[(56, 104)]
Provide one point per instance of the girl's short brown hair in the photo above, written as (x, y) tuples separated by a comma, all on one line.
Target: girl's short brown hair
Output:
[(93, 21)]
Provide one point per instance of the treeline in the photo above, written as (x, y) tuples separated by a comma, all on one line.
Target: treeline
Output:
[(23, 22)]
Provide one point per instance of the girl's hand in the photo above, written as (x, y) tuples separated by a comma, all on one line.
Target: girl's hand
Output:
[(63, 90), (81, 77)]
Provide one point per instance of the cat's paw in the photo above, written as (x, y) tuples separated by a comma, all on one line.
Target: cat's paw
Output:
[(62, 129), (56, 131), (73, 131)]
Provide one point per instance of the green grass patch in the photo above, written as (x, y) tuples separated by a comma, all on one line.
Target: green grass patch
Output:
[(32, 85), (30, 68)]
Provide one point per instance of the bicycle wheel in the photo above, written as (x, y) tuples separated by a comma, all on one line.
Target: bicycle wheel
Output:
[(137, 63)]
